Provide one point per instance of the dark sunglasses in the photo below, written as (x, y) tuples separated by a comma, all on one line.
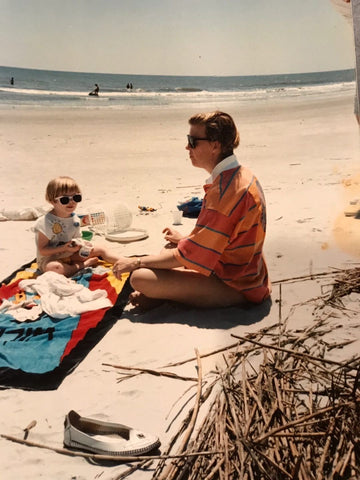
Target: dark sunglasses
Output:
[(192, 141), (65, 199)]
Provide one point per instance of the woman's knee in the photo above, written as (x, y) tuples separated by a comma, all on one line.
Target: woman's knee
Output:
[(142, 279)]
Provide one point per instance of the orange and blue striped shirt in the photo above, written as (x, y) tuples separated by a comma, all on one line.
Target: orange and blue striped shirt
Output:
[(229, 234)]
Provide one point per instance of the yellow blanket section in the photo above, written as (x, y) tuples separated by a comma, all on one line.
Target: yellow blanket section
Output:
[(117, 284), (31, 272)]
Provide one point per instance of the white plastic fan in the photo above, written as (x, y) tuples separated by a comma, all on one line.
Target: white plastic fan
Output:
[(118, 225), (118, 218)]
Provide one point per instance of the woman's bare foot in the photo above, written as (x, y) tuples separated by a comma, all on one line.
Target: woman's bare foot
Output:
[(143, 303)]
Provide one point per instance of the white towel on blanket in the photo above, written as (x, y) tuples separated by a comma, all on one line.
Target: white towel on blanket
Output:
[(62, 297)]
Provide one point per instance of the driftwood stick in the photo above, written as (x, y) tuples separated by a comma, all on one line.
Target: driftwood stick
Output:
[(250, 419), (177, 401), (204, 355), (257, 401), (326, 448), (128, 376), (170, 472), (296, 471), (306, 277), (302, 419), (222, 349), (339, 446), (354, 469), (96, 456), (215, 469), (196, 407), (245, 398), (153, 372), (301, 434), (347, 459), (225, 445), (132, 469), (28, 428), (291, 352), (271, 462), (309, 457)]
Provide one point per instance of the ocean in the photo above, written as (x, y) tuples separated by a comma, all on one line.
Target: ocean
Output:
[(57, 88)]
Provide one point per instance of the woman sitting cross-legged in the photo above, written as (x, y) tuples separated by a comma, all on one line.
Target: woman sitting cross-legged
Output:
[(221, 262)]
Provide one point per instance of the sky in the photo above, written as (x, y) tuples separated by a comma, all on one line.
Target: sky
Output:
[(175, 37)]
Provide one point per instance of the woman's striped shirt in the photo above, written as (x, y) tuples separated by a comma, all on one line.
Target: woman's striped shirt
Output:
[(229, 234)]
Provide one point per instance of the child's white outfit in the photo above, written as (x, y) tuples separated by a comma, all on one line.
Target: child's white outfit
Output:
[(59, 231)]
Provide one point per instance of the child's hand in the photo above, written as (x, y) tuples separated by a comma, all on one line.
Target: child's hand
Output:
[(71, 247)]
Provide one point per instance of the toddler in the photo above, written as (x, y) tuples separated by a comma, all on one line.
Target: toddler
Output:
[(58, 233)]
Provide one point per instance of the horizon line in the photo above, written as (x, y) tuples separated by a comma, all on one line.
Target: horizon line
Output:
[(175, 75)]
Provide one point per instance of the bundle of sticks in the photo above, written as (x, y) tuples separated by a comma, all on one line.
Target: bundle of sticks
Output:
[(279, 407), (345, 284), (291, 415)]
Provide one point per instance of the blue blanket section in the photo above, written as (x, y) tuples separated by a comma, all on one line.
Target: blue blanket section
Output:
[(51, 339), (38, 354), (52, 336)]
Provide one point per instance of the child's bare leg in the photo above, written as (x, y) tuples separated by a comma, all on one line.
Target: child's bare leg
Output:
[(90, 262), (106, 254), (69, 269)]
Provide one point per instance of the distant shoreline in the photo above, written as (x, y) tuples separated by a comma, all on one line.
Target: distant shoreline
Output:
[(151, 101), (176, 75)]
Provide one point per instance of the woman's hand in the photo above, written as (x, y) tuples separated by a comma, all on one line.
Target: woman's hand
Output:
[(172, 235), (124, 265), (164, 261)]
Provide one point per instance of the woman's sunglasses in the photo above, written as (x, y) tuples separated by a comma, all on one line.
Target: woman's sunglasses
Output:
[(192, 141), (65, 199)]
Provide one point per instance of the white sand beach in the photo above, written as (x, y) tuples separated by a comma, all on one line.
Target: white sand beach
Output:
[(305, 153)]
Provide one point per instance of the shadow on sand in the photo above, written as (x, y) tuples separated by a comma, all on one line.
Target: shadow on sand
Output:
[(217, 318)]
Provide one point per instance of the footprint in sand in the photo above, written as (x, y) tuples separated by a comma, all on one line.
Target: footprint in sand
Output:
[(304, 220)]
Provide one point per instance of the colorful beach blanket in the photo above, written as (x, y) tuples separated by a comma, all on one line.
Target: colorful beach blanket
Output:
[(37, 351)]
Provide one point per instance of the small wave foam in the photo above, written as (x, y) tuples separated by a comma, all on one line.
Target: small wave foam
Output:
[(188, 89), (10, 95)]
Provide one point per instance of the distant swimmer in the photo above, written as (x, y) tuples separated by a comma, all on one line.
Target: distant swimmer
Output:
[(12, 80), (95, 92)]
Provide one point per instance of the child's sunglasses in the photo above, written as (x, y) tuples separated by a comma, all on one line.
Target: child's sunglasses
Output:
[(65, 199), (192, 141)]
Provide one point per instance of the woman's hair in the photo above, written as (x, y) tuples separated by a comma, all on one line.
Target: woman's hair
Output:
[(61, 186), (221, 127)]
